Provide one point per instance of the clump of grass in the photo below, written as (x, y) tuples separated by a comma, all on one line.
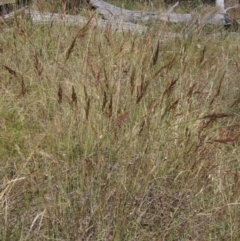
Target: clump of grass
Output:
[(129, 141)]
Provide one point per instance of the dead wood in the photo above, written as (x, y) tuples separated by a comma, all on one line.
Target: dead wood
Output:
[(109, 11), (38, 17), (118, 19)]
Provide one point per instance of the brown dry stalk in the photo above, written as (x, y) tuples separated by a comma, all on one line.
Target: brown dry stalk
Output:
[(210, 119), (22, 34), (170, 87), (120, 119), (215, 116), (81, 33), (106, 80), (226, 141), (15, 74), (37, 64), (10, 70), (184, 69), (143, 123), (88, 101), (87, 109), (190, 91), (96, 72), (170, 107), (108, 40), (132, 84), (110, 107), (218, 89), (147, 118), (229, 134), (70, 49), (202, 55), (60, 95), (23, 87), (155, 54), (235, 102), (132, 44), (104, 100), (74, 96), (169, 65), (121, 48), (141, 89), (203, 125)]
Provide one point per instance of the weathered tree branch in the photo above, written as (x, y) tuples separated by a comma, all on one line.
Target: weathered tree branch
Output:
[(116, 26), (71, 20), (124, 20), (109, 11)]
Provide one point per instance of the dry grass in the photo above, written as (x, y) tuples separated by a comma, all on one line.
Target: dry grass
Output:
[(107, 136)]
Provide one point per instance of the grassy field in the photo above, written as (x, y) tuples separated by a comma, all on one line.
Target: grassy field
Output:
[(115, 136)]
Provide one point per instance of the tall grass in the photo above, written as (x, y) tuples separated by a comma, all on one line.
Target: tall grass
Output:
[(114, 136)]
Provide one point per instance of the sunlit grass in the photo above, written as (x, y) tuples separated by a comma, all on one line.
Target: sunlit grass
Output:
[(114, 136)]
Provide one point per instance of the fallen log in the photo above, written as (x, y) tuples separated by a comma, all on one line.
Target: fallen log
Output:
[(71, 20), (116, 25), (109, 11), (37, 17)]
